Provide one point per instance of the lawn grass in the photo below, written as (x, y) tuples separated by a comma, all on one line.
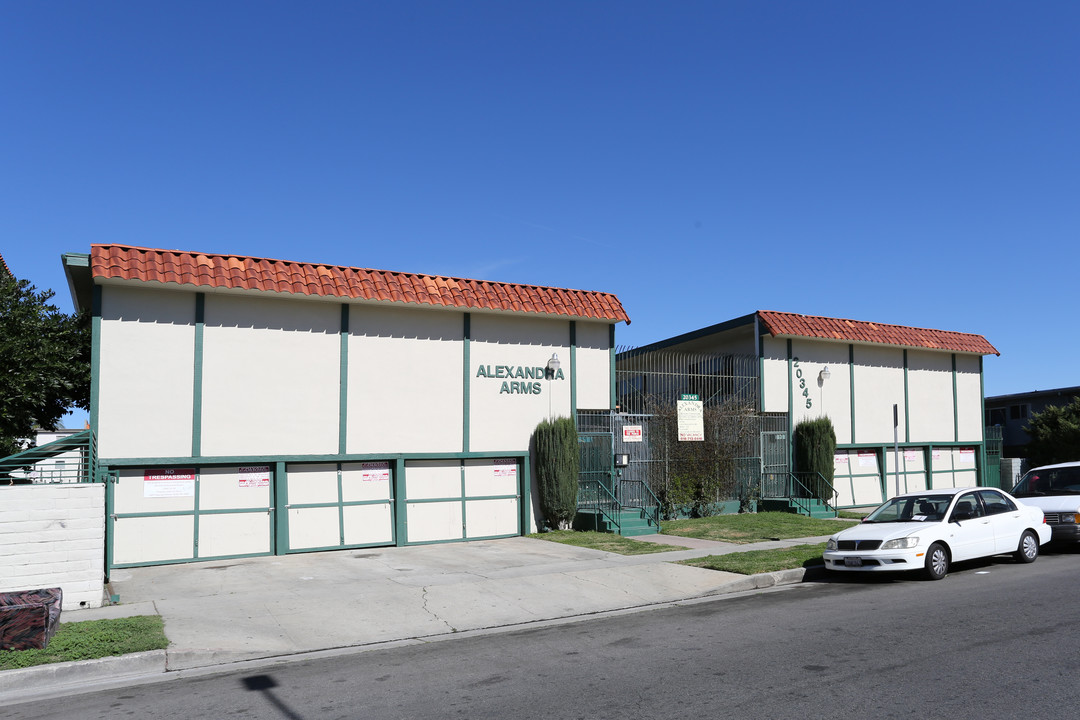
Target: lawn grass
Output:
[(608, 542), (753, 527), (752, 562), (93, 639)]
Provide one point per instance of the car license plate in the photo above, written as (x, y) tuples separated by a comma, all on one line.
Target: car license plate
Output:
[(852, 562)]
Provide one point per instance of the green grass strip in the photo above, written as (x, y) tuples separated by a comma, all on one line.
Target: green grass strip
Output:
[(608, 542), (93, 639), (753, 527), (752, 562)]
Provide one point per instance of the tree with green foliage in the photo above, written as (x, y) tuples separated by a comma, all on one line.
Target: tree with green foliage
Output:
[(815, 450), (558, 463), (44, 362), (1055, 434)]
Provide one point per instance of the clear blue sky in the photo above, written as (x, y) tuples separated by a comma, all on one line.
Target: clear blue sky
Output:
[(915, 163)]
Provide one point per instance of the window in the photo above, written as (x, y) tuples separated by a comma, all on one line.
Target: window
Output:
[(995, 416), (996, 502), (1018, 412)]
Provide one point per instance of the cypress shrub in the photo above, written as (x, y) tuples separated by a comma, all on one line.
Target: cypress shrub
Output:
[(557, 465), (815, 448)]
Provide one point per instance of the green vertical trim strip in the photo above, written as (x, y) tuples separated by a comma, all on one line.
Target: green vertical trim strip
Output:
[(110, 521), (197, 381), (467, 382), (195, 515), (464, 522), (573, 370), (340, 507), (95, 359), (907, 404), (525, 503), (401, 515), (343, 389), (281, 512), (982, 433), (955, 400), (851, 382), (611, 365)]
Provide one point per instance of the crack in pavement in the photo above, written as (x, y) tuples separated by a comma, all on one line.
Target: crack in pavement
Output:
[(432, 613)]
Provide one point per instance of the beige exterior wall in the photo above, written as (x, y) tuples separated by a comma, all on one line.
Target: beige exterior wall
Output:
[(271, 376), (500, 418), (930, 392), (146, 382), (969, 393), (406, 375), (593, 366), (879, 384)]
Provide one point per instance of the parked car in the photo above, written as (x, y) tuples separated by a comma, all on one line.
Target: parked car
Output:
[(932, 529), (1056, 490)]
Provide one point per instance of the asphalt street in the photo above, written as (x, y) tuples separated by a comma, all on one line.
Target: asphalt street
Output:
[(993, 640)]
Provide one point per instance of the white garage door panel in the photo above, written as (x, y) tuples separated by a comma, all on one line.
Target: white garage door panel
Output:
[(368, 524), (485, 477), (429, 522), (221, 489), (432, 479), (234, 534), (488, 518), (153, 539), (313, 528), (310, 484), (360, 483)]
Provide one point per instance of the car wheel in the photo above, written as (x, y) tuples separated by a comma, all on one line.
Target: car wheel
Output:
[(937, 562), (1028, 549)]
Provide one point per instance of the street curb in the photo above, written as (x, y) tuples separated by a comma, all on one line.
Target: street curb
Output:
[(70, 676), (25, 684)]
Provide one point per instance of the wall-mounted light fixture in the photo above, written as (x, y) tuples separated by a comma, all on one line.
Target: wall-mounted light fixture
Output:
[(553, 365), (824, 374)]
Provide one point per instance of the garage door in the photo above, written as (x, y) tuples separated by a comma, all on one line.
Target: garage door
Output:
[(338, 505), (162, 515), (461, 499)]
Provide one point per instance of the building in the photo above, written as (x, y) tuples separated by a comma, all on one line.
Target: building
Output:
[(1012, 412), (247, 406), (906, 403)]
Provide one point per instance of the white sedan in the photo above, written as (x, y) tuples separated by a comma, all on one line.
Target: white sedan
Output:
[(931, 529)]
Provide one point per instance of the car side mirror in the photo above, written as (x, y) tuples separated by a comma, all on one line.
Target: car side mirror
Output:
[(957, 517)]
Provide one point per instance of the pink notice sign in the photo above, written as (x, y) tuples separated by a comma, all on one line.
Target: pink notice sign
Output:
[(375, 472), (867, 458), (967, 456), (169, 482), (505, 467), (255, 476)]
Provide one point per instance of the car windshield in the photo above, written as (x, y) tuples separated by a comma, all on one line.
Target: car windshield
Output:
[(1049, 481), (911, 508)]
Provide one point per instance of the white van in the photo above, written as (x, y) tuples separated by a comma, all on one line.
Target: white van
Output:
[(1055, 489)]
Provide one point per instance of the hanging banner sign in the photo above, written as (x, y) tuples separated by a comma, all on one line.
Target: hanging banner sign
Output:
[(255, 476), (170, 482), (631, 433), (375, 472), (691, 418), (505, 468)]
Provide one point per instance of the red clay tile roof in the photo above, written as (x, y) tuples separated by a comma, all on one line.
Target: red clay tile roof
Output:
[(4, 270), (233, 271), (810, 326)]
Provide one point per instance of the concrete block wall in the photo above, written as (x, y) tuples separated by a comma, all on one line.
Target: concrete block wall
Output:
[(54, 536)]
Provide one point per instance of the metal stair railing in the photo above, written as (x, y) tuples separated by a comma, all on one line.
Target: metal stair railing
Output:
[(788, 486), (595, 495), (72, 459)]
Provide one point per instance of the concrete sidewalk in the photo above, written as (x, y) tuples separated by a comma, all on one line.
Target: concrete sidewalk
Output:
[(222, 612)]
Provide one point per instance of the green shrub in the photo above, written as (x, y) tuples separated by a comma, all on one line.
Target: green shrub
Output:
[(558, 463), (815, 450)]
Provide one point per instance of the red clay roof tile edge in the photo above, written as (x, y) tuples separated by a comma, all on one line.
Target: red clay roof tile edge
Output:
[(856, 331), (200, 269)]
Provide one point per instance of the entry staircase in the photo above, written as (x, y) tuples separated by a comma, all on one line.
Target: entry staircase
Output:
[(600, 509), (791, 492)]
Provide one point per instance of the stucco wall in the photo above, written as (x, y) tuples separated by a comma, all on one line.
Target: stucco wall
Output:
[(145, 385), (54, 536)]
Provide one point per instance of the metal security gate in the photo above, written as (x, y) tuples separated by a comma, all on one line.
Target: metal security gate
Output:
[(330, 506), (167, 515)]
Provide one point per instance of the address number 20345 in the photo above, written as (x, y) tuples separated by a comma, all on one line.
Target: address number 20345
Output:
[(801, 389)]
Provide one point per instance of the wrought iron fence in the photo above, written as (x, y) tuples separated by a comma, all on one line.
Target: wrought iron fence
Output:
[(644, 378)]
